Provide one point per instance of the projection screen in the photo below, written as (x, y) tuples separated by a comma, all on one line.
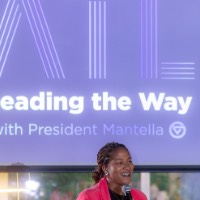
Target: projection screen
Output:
[(76, 74)]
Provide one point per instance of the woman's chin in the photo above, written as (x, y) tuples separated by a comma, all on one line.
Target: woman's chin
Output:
[(126, 180)]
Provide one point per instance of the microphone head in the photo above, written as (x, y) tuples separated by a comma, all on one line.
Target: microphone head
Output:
[(126, 189)]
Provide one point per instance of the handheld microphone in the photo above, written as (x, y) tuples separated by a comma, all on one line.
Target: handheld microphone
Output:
[(126, 189)]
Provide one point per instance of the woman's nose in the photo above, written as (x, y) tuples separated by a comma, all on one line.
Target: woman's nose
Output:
[(127, 165)]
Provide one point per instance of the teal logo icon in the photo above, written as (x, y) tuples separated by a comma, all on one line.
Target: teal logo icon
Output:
[(177, 130)]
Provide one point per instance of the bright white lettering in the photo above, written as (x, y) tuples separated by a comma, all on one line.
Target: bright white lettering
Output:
[(45, 101), (168, 103), (106, 102)]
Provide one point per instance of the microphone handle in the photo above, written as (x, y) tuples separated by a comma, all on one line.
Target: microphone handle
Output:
[(128, 196)]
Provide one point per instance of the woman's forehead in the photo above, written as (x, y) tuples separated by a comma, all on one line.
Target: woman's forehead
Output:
[(120, 152)]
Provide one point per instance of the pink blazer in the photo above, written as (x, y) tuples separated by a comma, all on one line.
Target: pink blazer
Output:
[(100, 192)]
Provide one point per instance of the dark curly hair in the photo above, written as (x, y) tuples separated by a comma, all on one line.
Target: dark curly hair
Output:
[(103, 158)]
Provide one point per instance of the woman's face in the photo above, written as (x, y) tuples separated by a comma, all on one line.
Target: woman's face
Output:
[(120, 168)]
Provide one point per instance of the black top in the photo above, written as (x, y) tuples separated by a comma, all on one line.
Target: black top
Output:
[(115, 196)]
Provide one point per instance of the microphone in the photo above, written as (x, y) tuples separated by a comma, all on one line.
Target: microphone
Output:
[(126, 189)]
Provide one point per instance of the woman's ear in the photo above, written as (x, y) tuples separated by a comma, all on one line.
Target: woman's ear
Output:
[(105, 170)]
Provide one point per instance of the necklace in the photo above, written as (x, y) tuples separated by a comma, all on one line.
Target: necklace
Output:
[(115, 196)]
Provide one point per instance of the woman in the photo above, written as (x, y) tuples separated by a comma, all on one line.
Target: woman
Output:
[(114, 170)]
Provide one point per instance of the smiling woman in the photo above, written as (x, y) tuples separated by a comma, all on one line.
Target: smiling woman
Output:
[(113, 172)]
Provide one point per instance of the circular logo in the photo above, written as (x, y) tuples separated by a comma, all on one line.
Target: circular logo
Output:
[(177, 130)]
